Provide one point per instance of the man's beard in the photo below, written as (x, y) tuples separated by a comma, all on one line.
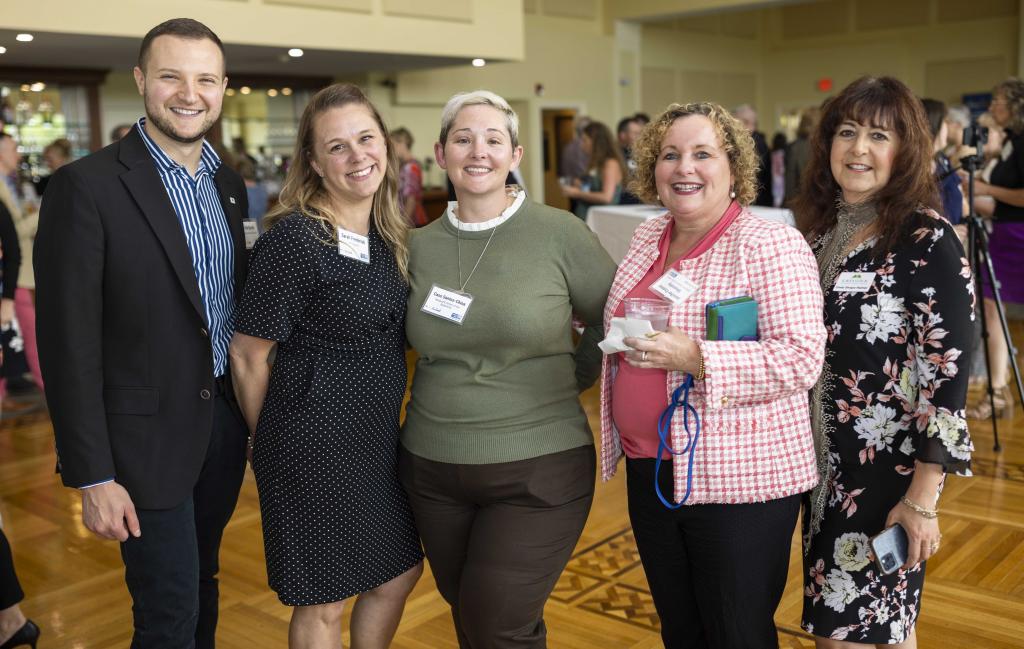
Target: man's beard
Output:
[(168, 129)]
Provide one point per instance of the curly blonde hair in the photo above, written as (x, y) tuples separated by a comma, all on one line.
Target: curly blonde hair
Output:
[(1013, 90), (736, 142)]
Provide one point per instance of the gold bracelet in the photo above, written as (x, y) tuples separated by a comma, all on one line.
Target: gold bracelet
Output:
[(700, 368), (927, 513)]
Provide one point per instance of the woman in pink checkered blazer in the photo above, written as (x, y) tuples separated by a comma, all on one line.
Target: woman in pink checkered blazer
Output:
[(717, 564)]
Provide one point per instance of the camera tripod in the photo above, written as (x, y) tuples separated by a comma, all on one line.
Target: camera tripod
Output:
[(977, 255)]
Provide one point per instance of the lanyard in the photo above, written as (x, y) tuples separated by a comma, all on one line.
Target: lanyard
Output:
[(458, 244), (680, 399)]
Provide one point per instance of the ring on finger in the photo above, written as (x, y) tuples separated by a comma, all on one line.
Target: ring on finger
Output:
[(934, 547), (643, 356)]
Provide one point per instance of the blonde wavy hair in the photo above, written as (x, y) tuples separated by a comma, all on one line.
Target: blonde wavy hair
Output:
[(735, 141), (303, 190)]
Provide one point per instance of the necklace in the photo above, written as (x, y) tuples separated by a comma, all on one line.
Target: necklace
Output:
[(458, 245)]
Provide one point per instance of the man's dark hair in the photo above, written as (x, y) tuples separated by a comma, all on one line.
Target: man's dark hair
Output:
[(624, 124), (182, 28)]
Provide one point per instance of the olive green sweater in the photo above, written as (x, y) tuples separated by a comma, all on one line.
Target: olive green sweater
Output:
[(504, 385)]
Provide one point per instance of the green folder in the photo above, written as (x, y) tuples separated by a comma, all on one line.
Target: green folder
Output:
[(732, 319)]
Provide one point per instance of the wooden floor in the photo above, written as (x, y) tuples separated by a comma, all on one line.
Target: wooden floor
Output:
[(974, 595)]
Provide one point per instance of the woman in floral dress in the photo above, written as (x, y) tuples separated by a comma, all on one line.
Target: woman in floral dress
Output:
[(888, 411)]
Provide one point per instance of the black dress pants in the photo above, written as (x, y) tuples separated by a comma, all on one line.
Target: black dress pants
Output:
[(498, 536), (171, 570), (716, 572), (10, 589)]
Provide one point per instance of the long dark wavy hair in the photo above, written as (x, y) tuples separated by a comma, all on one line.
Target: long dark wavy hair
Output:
[(888, 103), (604, 148)]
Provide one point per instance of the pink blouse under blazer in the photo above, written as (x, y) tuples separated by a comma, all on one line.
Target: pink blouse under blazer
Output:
[(755, 439)]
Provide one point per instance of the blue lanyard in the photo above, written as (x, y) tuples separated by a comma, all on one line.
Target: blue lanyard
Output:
[(680, 399)]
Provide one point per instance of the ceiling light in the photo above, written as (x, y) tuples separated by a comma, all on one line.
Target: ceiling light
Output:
[(272, 92), (295, 52), (245, 90), (2, 49), (479, 63), (38, 86), (230, 92), (286, 91), (25, 87), (24, 38)]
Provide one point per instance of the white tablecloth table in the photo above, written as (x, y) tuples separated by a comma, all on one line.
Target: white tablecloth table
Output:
[(614, 224)]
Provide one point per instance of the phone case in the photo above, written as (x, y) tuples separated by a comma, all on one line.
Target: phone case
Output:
[(732, 319), (890, 548)]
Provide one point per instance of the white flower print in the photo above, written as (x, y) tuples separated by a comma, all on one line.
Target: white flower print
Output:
[(851, 551), (877, 425), (882, 319), (898, 630), (839, 590), (951, 429), (907, 447)]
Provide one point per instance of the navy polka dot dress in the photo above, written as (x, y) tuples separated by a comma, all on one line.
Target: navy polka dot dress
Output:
[(336, 521)]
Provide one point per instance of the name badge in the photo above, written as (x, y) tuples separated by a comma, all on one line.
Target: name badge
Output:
[(251, 232), (354, 246), (447, 304), (850, 282), (674, 286)]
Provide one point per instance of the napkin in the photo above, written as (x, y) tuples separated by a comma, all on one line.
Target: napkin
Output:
[(625, 328)]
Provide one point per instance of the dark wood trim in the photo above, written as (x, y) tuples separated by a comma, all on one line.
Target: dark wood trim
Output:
[(70, 76), (260, 81), (92, 97)]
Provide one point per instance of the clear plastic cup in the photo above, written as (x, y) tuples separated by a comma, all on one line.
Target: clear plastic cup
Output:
[(653, 310)]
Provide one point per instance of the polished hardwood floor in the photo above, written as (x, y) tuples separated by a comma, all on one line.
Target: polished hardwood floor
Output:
[(974, 596)]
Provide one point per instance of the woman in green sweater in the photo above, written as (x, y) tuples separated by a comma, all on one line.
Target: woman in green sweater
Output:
[(497, 456)]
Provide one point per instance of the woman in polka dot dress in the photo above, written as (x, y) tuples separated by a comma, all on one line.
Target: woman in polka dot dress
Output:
[(327, 286)]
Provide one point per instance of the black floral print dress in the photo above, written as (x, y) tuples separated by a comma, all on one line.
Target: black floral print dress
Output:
[(896, 383)]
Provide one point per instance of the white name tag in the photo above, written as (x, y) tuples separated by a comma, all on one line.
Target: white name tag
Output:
[(251, 232), (354, 246), (674, 286), (447, 304), (850, 282)]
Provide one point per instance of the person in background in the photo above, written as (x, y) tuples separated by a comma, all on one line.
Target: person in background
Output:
[(888, 410), (778, 169), (957, 119), (26, 221), (716, 565), (1006, 243), (748, 117), (643, 119), (945, 176), (255, 191), (55, 155), (119, 132), (15, 629), (572, 163), (410, 179), (628, 131), (799, 152), (496, 455), (602, 184), (327, 290)]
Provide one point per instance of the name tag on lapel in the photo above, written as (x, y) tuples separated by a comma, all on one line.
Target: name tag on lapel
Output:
[(231, 199)]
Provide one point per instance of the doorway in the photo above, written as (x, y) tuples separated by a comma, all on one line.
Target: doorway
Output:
[(557, 133)]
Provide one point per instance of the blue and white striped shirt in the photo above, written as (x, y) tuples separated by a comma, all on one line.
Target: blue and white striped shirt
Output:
[(197, 204)]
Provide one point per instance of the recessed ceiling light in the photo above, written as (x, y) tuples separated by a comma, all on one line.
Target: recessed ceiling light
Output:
[(272, 92), (245, 90), (3, 49), (24, 38), (286, 91), (479, 63), (295, 52), (25, 87), (38, 86), (230, 92)]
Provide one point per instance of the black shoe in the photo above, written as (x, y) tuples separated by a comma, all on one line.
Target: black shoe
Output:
[(28, 634)]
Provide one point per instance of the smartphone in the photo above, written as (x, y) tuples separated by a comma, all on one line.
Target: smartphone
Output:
[(890, 548)]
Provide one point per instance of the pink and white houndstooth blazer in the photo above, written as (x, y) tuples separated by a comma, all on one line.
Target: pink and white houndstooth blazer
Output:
[(755, 442)]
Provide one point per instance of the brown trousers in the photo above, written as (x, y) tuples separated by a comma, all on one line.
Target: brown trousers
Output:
[(498, 536)]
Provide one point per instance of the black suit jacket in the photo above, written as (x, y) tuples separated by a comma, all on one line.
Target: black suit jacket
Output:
[(127, 360)]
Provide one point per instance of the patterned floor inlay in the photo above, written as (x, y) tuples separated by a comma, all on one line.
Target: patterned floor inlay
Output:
[(571, 585), (623, 603), (608, 559)]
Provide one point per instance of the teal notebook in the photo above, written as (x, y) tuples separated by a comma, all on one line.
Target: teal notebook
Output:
[(732, 319)]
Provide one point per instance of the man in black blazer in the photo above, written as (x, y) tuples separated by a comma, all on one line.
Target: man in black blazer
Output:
[(139, 258)]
